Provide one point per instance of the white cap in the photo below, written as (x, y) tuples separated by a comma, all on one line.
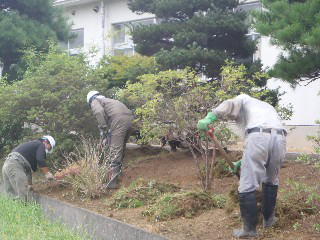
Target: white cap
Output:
[(90, 95), (51, 141)]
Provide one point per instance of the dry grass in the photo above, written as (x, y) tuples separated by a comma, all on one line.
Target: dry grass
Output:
[(86, 169)]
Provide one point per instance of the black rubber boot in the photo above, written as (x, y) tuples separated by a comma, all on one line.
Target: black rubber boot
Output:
[(269, 198), (248, 210)]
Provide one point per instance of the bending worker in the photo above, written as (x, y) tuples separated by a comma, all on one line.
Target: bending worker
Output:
[(19, 164), (114, 122), (265, 147)]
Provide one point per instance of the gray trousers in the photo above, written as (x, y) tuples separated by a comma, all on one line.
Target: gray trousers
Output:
[(17, 175), (118, 138), (261, 161)]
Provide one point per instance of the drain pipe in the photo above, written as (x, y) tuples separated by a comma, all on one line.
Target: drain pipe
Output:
[(103, 14)]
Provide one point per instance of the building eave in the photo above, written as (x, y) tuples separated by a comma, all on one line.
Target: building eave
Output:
[(68, 3)]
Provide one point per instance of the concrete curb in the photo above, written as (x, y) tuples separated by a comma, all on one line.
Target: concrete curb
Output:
[(295, 155), (96, 225)]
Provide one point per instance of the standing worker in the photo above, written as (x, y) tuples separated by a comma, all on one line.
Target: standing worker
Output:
[(114, 122), (19, 164), (265, 148)]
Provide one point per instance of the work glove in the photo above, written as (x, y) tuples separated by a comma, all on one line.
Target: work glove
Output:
[(203, 123), (236, 167), (49, 176)]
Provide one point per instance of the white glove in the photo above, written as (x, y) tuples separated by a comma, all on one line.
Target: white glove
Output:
[(49, 176)]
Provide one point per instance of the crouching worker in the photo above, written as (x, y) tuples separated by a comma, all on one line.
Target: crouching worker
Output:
[(115, 125), (19, 164), (265, 147)]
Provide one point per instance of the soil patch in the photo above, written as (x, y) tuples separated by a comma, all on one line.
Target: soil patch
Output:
[(210, 223)]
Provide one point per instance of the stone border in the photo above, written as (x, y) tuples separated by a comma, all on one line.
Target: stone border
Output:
[(295, 155), (88, 222)]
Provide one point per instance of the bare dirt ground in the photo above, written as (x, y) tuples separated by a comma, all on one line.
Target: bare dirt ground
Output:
[(179, 169)]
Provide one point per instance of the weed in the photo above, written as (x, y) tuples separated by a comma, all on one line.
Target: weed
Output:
[(86, 169), (299, 200), (296, 226), (220, 200), (317, 227), (182, 204), (305, 158), (139, 193)]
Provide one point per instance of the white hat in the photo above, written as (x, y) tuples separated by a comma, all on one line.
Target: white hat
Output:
[(90, 95), (51, 141)]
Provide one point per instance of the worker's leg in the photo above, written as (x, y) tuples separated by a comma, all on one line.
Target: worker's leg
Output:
[(270, 183), (16, 180), (252, 172), (8, 188), (119, 137)]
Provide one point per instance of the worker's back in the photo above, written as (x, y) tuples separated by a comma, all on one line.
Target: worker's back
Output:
[(257, 113)]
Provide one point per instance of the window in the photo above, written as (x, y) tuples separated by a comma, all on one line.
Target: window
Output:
[(78, 39), (121, 38), (123, 52), (75, 43)]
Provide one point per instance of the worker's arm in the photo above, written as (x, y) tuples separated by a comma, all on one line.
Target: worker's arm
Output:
[(229, 109), (41, 160), (99, 113)]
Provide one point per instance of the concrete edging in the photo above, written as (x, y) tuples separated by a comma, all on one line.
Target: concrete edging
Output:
[(98, 226), (295, 155), (81, 220)]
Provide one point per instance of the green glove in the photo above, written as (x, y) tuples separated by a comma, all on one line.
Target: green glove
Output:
[(236, 168), (203, 123)]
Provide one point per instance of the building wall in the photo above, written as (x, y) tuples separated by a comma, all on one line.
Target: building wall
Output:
[(305, 99), (83, 16), (97, 25)]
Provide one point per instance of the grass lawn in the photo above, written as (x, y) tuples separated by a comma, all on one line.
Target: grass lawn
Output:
[(26, 222)]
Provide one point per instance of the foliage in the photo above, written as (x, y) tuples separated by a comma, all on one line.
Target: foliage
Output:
[(293, 26), (200, 34), (181, 204), (140, 193), (25, 24), (315, 140), (173, 102), (116, 71), (50, 99), (285, 112), (21, 221), (176, 100), (86, 169)]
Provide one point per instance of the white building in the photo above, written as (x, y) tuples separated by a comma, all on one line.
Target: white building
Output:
[(103, 26)]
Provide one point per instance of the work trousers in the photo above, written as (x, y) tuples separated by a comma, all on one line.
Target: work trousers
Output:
[(261, 161), (17, 175), (117, 139)]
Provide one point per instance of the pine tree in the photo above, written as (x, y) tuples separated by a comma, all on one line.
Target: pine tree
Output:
[(293, 26), (200, 34), (25, 24)]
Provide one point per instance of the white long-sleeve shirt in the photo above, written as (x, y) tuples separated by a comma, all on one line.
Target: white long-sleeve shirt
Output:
[(249, 112)]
